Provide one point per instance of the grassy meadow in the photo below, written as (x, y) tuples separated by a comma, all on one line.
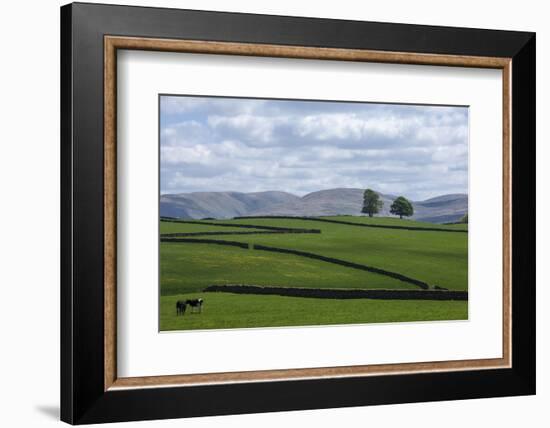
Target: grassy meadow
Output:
[(187, 268), (226, 310)]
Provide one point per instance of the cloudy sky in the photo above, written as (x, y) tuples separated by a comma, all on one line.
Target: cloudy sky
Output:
[(250, 145)]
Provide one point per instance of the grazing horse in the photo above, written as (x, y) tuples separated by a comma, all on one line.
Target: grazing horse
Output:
[(195, 303), (180, 307)]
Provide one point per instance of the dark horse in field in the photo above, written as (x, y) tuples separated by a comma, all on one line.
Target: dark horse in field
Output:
[(181, 306)]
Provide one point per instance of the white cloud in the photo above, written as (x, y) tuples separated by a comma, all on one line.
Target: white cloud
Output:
[(253, 145)]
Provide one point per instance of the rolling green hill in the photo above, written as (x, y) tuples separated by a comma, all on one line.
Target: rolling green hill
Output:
[(431, 257)]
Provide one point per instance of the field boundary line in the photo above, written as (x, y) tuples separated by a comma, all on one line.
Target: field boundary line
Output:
[(258, 232), (394, 275), (244, 226), (335, 293), (350, 223), (207, 241), (340, 262)]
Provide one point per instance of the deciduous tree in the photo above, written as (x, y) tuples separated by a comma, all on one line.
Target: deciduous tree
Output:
[(371, 203), (402, 207)]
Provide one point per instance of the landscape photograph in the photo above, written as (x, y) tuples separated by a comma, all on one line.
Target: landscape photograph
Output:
[(287, 213)]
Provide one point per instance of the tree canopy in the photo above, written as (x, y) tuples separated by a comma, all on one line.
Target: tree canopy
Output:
[(371, 202), (402, 207)]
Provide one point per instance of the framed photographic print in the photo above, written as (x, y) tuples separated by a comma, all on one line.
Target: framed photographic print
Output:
[(307, 228), (265, 213)]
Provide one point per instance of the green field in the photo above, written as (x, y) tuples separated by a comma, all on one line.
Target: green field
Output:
[(390, 221), (223, 310), (435, 257)]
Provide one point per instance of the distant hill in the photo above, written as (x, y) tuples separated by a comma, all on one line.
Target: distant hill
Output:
[(441, 209), (220, 204)]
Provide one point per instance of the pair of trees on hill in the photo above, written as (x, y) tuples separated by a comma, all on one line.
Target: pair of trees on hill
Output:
[(372, 204)]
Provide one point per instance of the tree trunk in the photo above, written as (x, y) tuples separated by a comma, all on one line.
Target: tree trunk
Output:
[(400, 216), (370, 214)]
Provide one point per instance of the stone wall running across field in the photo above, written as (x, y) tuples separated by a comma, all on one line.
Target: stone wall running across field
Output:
[(256, 232), (335, 293), (394, 275), (206, 241), (244, 226), (345, 263), (350, 223)]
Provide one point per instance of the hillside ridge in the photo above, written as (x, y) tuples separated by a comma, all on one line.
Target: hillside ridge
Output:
[(327, 202)]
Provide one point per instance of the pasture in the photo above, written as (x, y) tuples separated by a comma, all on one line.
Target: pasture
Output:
[(225, 310), (187, 268)]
